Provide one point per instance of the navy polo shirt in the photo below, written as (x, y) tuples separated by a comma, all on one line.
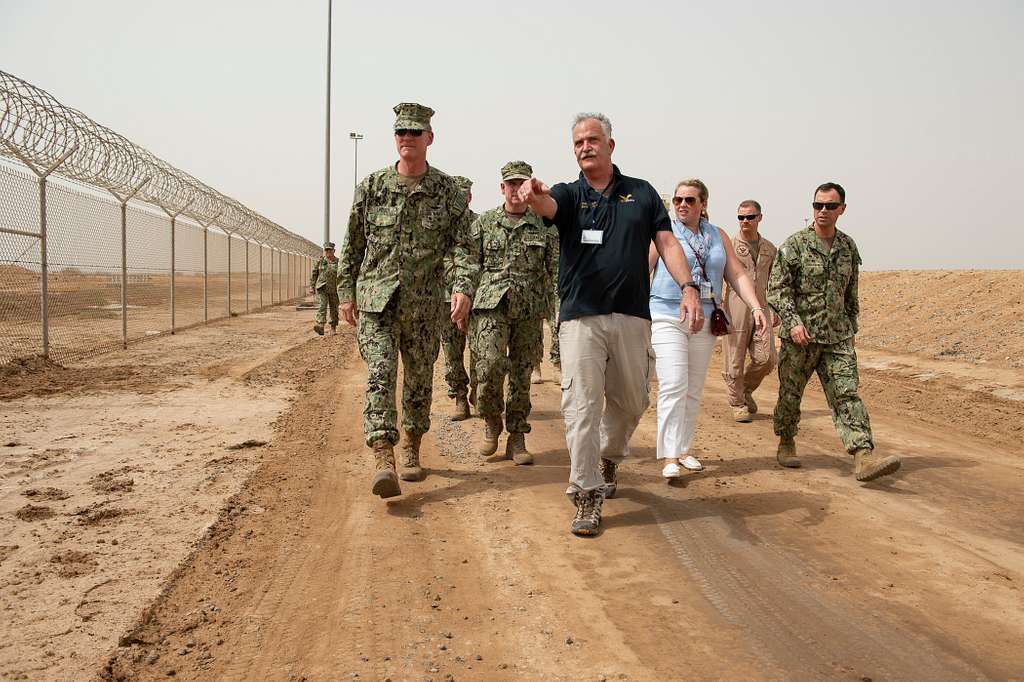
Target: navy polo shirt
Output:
[(610, 277)]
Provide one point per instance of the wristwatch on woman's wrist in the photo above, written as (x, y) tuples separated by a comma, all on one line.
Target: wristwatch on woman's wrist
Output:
[(691, 283)]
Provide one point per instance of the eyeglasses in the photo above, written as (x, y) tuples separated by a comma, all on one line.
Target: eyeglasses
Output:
[(690, 201), (741, 218), (402, 132), (827, 205)]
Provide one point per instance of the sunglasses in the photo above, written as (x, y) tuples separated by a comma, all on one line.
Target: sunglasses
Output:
[(402, 132), (741, 218), (690, 201), (827, 205)]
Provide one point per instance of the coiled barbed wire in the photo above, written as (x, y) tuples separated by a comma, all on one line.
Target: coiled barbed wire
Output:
[(42, 130)]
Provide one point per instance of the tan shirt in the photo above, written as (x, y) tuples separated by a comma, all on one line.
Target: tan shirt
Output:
[(739, 315)]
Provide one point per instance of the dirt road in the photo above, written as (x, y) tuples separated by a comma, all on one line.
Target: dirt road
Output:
[(742, 571)]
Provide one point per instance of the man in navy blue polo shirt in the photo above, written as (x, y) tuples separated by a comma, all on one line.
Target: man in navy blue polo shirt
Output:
[(606, 222)]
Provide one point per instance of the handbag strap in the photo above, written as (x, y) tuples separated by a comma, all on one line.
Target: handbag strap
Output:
[(701, 263)]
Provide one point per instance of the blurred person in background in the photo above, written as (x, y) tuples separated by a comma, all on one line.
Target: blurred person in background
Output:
[(682, 354), (453, 339), (756, 255), (323, 281)]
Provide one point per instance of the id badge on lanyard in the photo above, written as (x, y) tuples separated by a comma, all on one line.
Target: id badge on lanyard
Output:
[(591, 233), (706, 292)]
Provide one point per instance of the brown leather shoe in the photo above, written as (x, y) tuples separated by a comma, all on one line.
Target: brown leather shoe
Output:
[(461, 409), (786, 454), (515, 449), (409, 457), (867, 466), (489, 441), (385, 481)]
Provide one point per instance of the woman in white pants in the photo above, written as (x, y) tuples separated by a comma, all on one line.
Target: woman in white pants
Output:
[(682, 358)]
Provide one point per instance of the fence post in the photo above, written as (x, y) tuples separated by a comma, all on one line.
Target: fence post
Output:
[(124, 257), (174, 220), (229, 272), (246, 239), (206, 277), (44, 261), (261, 275)]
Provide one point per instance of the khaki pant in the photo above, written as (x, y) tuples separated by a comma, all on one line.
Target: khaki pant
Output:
[(606, 368), (740, 380)]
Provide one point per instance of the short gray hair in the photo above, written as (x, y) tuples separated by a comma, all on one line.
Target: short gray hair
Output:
[(606, 125)]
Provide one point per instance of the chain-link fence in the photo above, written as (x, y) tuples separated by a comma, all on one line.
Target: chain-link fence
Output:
[(102, 243)]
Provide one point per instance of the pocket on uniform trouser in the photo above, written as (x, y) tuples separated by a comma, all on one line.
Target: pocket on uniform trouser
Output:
[(652, 361), (761, 352), (568, 399)]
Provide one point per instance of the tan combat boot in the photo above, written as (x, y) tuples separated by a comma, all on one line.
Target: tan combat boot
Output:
[(742, 414), (515, 449), (786, 454), (318, 328), (867, 466), (751, 405), (385, 481), (461, 409), (535, 376), (489, 443), (409, 457)]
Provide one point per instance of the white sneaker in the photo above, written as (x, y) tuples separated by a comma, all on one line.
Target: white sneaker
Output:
[(671, 470), (692, 463)]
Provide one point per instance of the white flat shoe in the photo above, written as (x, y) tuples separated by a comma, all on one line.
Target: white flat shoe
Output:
[(671, 470), (692, 463)]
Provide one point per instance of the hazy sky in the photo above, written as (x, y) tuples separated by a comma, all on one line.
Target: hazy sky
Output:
[(915, 107)]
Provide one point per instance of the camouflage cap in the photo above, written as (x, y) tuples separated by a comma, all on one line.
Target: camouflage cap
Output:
[(464, 183), (412, 116), (516, 170), (328, 245)]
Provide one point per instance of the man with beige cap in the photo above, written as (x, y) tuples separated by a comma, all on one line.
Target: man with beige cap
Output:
[(518, 263), (405, 218)]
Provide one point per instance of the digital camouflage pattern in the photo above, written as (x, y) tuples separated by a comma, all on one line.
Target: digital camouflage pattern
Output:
[(399, 237), (392, 267), (323, 279), (819, 290), (382, 338), (555, 355), (836, 366), (504, 346), (518, 264), (453, 340), (816, 289)]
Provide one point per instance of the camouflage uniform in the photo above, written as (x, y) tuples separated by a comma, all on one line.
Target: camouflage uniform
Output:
[(518, 258), (818, 290), (555, 355), (453, 339), (324, 281), (392, 267)]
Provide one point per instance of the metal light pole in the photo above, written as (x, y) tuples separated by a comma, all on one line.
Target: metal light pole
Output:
[(327, 137), (355, 137)]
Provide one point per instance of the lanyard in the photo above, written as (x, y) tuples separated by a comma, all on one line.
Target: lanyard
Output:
[(590, 221)]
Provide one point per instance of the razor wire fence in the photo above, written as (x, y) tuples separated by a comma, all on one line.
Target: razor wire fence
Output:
[(102, 243)]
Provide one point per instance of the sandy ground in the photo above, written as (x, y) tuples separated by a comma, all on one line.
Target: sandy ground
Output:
[(274, 561)]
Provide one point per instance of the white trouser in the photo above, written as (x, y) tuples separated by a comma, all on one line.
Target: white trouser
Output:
[(682, 362), (605, 378)]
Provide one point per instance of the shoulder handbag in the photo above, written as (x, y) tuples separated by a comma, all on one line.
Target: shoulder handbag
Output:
[(719, 322)]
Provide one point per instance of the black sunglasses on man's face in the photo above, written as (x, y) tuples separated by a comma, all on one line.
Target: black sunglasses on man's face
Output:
[(827, 205), (402, 132), (752, 216)]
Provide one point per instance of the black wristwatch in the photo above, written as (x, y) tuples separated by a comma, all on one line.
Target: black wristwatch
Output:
[(691, 283)]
